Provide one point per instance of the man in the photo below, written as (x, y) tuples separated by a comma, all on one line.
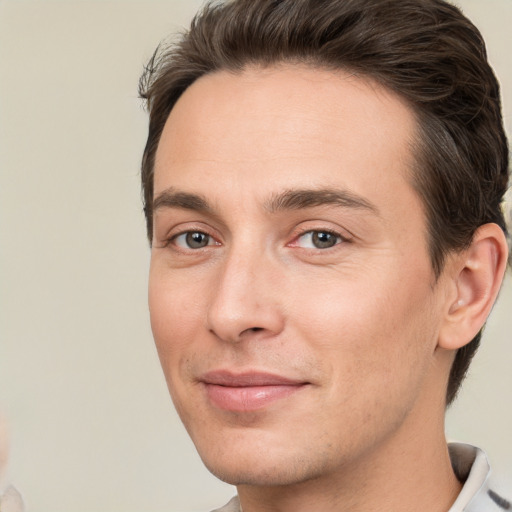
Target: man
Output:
[(322, 186)]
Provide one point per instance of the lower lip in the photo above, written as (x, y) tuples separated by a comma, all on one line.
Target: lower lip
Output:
[(248, 398)]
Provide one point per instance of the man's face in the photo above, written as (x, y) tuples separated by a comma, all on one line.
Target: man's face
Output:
[(292, 298)]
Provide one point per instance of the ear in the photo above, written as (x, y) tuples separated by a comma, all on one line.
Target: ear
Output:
[(476, 276)]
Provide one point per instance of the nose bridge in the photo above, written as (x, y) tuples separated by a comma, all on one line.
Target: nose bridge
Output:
[(243, 299)]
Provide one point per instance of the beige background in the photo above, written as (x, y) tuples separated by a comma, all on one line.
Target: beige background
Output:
[(91, 422)]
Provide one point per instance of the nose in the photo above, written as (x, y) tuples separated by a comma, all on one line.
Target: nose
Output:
[(245, 299)]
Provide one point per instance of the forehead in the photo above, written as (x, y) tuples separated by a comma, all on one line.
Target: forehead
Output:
[(262, 129)]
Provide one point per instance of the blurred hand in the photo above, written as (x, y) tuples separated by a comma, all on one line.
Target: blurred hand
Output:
[(3, 447), (10, 498)]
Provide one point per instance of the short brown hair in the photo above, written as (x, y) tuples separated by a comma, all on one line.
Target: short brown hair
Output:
[(426, 51)]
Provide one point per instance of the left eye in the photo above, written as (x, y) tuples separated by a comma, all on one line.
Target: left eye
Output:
[(318, 240), (193, 240)]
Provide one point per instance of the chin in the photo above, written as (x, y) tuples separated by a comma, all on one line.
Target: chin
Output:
[(263, 464), (262, 474)]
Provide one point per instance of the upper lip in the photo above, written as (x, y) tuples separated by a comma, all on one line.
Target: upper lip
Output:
[(248, 379)]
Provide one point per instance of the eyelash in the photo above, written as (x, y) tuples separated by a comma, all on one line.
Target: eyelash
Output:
[(338, 236), (195, 233), (339, 239), (172, 239)]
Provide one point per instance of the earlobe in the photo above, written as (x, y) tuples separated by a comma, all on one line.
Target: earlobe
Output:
[(477, 279)]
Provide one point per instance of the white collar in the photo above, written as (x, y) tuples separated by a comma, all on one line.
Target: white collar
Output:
[(471, 466)]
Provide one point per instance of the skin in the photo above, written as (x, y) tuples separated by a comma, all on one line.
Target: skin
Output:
[(358, 323)]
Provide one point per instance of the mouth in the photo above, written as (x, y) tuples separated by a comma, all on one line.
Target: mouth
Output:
[(249, 391)]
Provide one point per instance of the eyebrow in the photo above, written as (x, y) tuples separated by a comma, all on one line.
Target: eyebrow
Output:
[(309, 198), (292, 199), (171, 198)]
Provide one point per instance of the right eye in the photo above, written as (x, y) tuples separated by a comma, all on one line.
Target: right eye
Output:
[(193, 240), (319, 239)]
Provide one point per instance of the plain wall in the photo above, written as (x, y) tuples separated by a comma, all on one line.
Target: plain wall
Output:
[(92, 426)]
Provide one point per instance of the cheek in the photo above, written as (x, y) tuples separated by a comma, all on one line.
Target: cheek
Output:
[(175, 320), (174, 315), (375, 331)]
